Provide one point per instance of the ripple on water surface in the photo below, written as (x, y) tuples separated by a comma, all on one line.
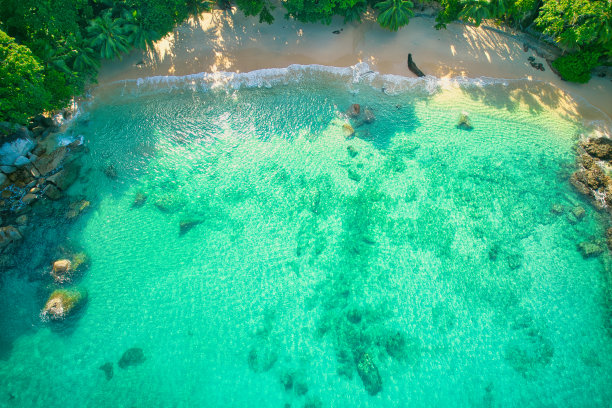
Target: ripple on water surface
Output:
[(245, 252)]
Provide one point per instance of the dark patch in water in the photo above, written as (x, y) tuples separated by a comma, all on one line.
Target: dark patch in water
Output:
[(108, 370), (132, 357)]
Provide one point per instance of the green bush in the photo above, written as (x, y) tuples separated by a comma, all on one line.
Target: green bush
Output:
[(577, 67), (22, 91)]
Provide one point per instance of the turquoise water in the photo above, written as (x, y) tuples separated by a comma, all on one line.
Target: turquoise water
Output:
[(431, 249)]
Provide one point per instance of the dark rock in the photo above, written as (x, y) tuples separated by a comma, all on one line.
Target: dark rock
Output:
[(46, 121), (300, 385), (66, 177), (557, 209), (132, 357), (464, 122), (52, 192), (368, 115), (111, 172), (578, 212), (139, 200), (108, 370), (186, 225), (9, 234), (286, 380), (600, 148), (354, 316), (62, 302), (336, 32), (352, 151), (609, 238), (369, 374), (413, 67), (313, 402), (261, 358), (531, 59), (575, 180), (49, 162), (354, 110), (590, 249)]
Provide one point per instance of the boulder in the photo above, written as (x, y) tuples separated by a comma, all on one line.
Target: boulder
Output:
[(132, 357), (576, 181), (600, 148), (590, 249), (62, 302), (49, 162), (464, 122), (369, 374), (348, 130), (28, 198), (352, 151), (64, 178), (354, 110), (2, 178), (22, 220), (62, 270), (368, 115), (76, 208), (108, 370), (186, 225), (111, 172), (557, 209), (10, 151), (9, 234), (261, 358), (578, 212), (139, 200), (52, 192)]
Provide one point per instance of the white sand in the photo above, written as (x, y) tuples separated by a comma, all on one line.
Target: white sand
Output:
[(226, 41)]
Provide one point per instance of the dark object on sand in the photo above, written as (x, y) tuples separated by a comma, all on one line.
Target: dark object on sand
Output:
[(413, 68), (132, 357), (108, 370), (186, 225)]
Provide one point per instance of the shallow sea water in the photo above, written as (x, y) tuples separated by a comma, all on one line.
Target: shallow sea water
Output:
[(429, 248)]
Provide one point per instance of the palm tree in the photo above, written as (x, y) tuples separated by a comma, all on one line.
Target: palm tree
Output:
[(394, 13), (475, 11), (107, 36), (136, 33)]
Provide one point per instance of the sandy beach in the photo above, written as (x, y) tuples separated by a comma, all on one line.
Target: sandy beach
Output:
[(229, 41)]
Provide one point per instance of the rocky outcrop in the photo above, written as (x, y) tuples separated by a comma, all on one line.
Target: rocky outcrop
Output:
[(61, 270), (591, 249), (369, 374), (600, 148), (8, 235), (354, 110), (62, 302), (464, 122), (348, 130), (132, 357)]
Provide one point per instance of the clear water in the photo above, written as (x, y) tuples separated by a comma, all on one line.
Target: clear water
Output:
[(433, 249)]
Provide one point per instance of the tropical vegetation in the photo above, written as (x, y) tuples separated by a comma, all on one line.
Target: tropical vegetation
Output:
[(50, 49)]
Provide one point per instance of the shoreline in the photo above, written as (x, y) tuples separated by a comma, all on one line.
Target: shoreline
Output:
[(230, 42)]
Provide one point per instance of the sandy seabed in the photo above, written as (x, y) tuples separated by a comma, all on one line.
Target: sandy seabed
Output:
[(229, 41)]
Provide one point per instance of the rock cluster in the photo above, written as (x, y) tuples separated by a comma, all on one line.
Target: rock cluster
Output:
[(62, 302), (357, 116)]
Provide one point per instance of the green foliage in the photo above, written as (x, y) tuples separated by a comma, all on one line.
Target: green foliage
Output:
[(108, 36), (449, 13), (22, 93), (577, 24), (257, 7), (577, 67), (394, 14)]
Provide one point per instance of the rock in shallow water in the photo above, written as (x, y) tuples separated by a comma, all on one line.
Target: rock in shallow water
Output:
[(139, 200), (186, 225), (62, 302), (132, 357), (108, 370), (590, 249), (369, 374)]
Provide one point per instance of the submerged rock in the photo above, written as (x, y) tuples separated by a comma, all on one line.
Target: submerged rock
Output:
[(590, 249), (76, 208), (578, 212), (464, 122), (62, 302), (139, 200), (108, 370), (368, 115), (354, 110), (352, 151), (111, 172), (369, 374), (8, 235), (132, 357), (557, 209), (186, 225), (261, 358), (348, 130)]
